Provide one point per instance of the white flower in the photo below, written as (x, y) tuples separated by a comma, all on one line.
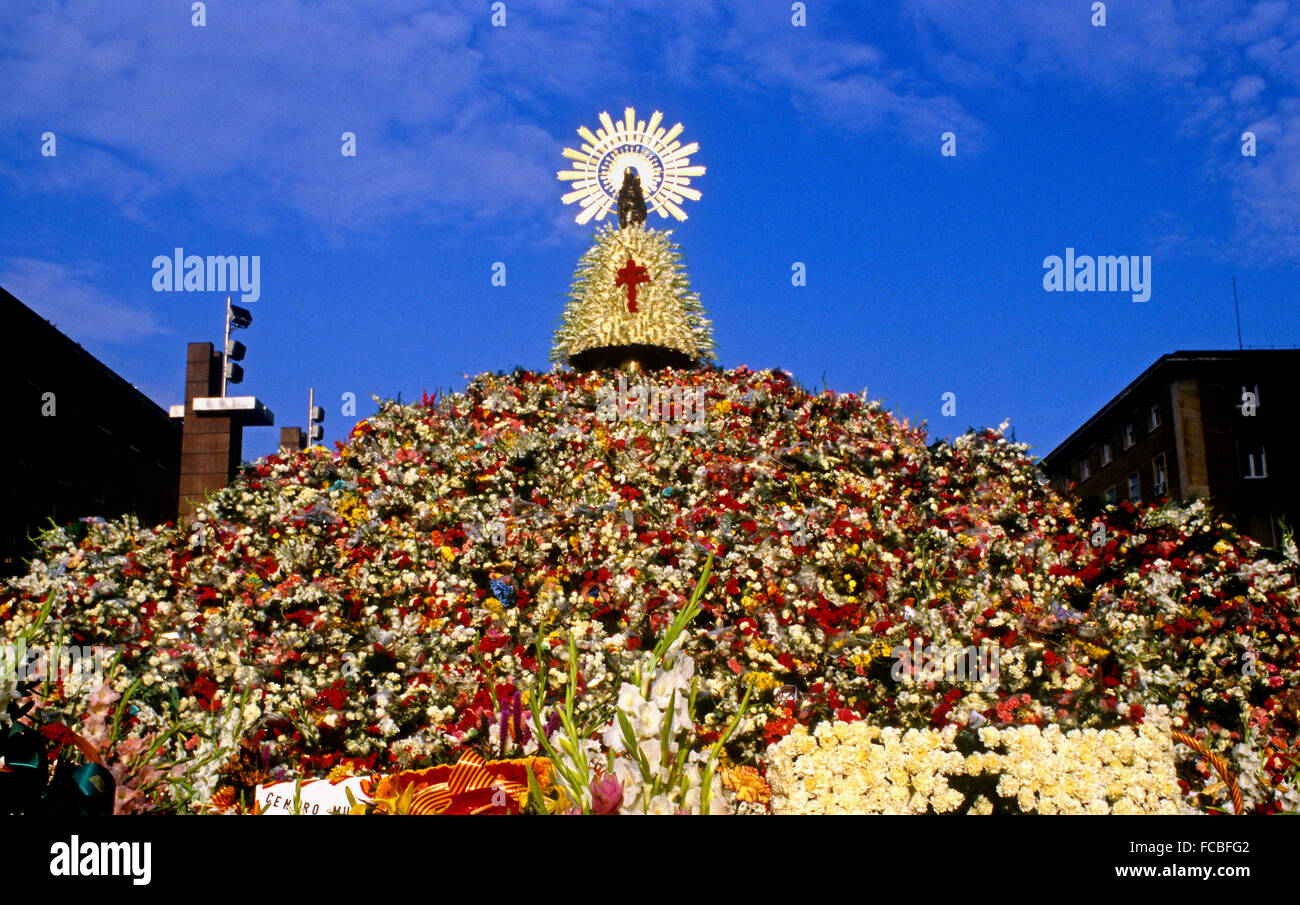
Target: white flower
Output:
[(661, 804)]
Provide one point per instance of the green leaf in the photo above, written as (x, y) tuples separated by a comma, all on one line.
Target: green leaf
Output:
[(633, 749), (121, 708), (556, 761), (576, 749), (30, 633), (535, 790), (665, 732), (573, 677), (688, 612), (706, 787)]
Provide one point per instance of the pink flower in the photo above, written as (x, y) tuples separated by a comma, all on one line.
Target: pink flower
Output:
[(102, 699), (606, 794)]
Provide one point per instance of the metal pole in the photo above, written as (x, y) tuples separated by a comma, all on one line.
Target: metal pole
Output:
[(311, 409), (1237, 310), (225, 362)]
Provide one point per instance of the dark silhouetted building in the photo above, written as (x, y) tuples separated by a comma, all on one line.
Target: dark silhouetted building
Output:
[(1218, 426), (81, 440)]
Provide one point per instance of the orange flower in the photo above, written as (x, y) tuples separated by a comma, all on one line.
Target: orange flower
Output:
[(747, 784)]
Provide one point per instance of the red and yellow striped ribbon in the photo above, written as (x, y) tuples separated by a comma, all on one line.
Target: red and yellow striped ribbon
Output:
[(470, 774)]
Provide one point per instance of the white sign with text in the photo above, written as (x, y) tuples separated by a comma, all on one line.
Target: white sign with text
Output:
[(315, 797)]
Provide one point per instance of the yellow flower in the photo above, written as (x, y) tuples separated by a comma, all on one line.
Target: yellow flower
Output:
[(340, 772), (761, 681)]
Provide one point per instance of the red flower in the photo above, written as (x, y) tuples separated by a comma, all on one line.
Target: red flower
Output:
[(57, 737), (206, 692)]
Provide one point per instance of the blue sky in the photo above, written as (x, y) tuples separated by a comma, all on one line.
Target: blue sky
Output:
[(822, 143)]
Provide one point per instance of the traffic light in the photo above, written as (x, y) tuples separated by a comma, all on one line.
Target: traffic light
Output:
[(234, 352), (315, 415), (237, 318)]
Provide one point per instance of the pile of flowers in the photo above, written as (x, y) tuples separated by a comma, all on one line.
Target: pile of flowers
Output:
[(460, 563)]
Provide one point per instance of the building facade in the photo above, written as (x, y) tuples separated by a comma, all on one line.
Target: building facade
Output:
[(84, 441), (1195, 425)]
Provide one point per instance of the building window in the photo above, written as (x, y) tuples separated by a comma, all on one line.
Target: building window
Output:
[(1110, 495), (1134, 488), (1159, 477), (1085, 470), (1255, 465), (1153, 418), (1106, 455), (1130, 436)]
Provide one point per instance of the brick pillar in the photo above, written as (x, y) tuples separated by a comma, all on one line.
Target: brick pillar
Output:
[(212, 443), (292, 438)]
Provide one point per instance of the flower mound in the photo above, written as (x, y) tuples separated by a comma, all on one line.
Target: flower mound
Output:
[(383, 606)]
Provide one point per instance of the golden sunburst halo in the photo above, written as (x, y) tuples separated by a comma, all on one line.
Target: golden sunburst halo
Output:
[(662, 162)]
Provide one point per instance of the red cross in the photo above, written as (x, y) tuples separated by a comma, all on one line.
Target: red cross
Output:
[(631, 274)]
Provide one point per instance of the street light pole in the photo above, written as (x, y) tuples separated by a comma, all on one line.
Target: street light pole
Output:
[(225, 351)]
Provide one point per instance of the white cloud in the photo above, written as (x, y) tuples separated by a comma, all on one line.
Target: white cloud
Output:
[(78, 308), (244, 117), (445, 107)]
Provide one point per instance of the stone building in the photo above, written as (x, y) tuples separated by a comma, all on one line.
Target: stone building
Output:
[(1212, 425)]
